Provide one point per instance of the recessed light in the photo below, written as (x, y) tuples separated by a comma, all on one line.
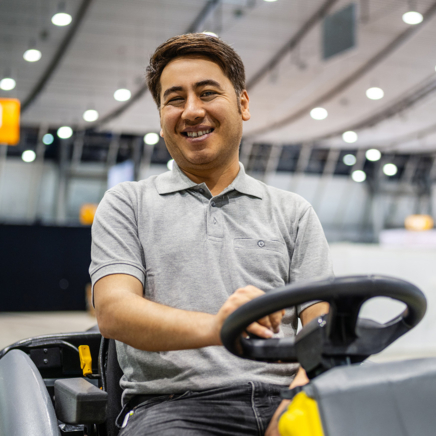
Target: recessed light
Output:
[(7, 84), (349, 137), (122, 94), (151, 138), (349, 159), (390, 169), (319, 113), (48, 139), (375, 93), (358, 176), (32, 55), (170, 164), (373, 155), (412, 17), (65, 132), (61, 19), (90, 115), (28, 156)]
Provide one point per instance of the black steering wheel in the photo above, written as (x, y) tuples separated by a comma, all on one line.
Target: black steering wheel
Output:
[(338, 338)]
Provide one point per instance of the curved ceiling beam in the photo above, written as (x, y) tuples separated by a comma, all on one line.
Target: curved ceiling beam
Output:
[(411, 97), (348, 81), (60, 52), (292, 43), (208, 9)]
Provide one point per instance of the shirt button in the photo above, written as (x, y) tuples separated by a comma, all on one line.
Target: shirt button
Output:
[(214, 221), (213, 204), (201, 190), (261, 243)]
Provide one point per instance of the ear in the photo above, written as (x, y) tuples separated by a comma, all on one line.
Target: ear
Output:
[(245, 109), (161, 133)]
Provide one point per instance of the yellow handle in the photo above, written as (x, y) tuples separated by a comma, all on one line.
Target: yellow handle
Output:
[(85, 359), (302, 418)]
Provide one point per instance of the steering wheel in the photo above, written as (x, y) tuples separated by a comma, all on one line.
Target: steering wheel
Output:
[(338, 338)]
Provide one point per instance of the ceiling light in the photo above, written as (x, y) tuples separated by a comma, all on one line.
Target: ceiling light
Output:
[(412, 17), (349, 159), (61, 19), (32, 55), (122, 94), (390, 169), (349, 137), (319, 113), (151, 138), (65, 132), (210, 34), (90, 115), (358, 176), (373, 155), (270, 1), (7, 84), (170, 164), (28, 156), (48, 139), (375, 93)]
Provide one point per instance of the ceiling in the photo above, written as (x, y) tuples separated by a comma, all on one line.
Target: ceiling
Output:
[(115, 39)]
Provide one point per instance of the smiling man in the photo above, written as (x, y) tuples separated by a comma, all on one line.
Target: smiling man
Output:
[(175, 254)]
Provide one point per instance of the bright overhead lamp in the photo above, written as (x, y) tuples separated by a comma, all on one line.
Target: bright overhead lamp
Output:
[(65, 132), (373, 154), (349, 137), (122, 94), (390, 169), (375, 93), (319, 113), (349, 159), (210, 33), (61, 19), (170, 164), (32, 55), (358, 176), (28, 156), (7, 84), (151, 138), (48, 139), (412, 17), (270, 1), (90, 115)]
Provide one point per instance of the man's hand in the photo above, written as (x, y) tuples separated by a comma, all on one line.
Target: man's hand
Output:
[(264, 327)]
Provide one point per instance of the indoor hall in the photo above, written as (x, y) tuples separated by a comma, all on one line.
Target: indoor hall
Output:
[(339, 120)]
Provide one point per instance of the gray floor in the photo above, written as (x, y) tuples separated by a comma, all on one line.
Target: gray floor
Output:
[(16, 326)]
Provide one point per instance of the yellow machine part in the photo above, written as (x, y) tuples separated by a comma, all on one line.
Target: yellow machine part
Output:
[(302, 418), (85, 359)]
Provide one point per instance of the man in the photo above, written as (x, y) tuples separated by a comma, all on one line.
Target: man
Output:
[(175, 254)]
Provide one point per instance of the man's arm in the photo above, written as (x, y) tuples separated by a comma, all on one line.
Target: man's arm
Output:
[(300, 378), (125, 315)]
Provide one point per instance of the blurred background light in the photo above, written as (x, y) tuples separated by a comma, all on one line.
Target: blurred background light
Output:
[(28, 156), (358, 176), (375, 93), (32, 55), (170, 164), (418, 223), (319, 113), (65, 132), (210, 33), (349, 137), (373, 155), (7, 84), (151, 138), (90, 115), (390, 169), (349, 159), (61, 19), (47, 139), (412, 17), (122, 94)]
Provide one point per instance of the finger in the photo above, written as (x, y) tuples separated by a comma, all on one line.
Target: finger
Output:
[(259, 330), (266, 322), (276, 319)]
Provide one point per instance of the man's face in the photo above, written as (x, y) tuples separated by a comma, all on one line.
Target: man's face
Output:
[(201, 122)]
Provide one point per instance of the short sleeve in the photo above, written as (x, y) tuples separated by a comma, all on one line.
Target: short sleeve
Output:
[(116, 248), (311, 258)]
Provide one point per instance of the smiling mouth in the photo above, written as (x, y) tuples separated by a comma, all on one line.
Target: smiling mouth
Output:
[(197, 134)]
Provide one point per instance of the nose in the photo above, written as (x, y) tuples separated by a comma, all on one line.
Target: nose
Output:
[(193, 109)]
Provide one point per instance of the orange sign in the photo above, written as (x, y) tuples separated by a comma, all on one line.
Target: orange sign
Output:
[(9, 121)]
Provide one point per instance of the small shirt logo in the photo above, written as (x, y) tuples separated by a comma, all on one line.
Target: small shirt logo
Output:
[(261, 243)]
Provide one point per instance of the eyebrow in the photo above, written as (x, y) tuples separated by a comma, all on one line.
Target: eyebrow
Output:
[(207, 82)]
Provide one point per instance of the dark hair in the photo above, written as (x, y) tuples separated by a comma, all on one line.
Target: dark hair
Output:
[(199, 44)]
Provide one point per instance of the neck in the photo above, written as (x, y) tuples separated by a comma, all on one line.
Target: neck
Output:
[(216, 179)]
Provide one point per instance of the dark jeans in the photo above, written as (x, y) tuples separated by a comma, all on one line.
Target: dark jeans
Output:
[(237, 410)]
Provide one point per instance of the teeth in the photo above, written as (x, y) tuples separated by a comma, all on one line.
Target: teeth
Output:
[(200, 133)]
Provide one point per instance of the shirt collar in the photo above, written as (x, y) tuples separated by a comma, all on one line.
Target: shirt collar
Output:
[(176, 180)]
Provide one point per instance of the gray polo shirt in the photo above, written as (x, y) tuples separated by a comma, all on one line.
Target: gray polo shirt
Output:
[(192, 250)]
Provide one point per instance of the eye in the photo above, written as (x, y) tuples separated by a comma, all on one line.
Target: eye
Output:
[(208, 93)]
